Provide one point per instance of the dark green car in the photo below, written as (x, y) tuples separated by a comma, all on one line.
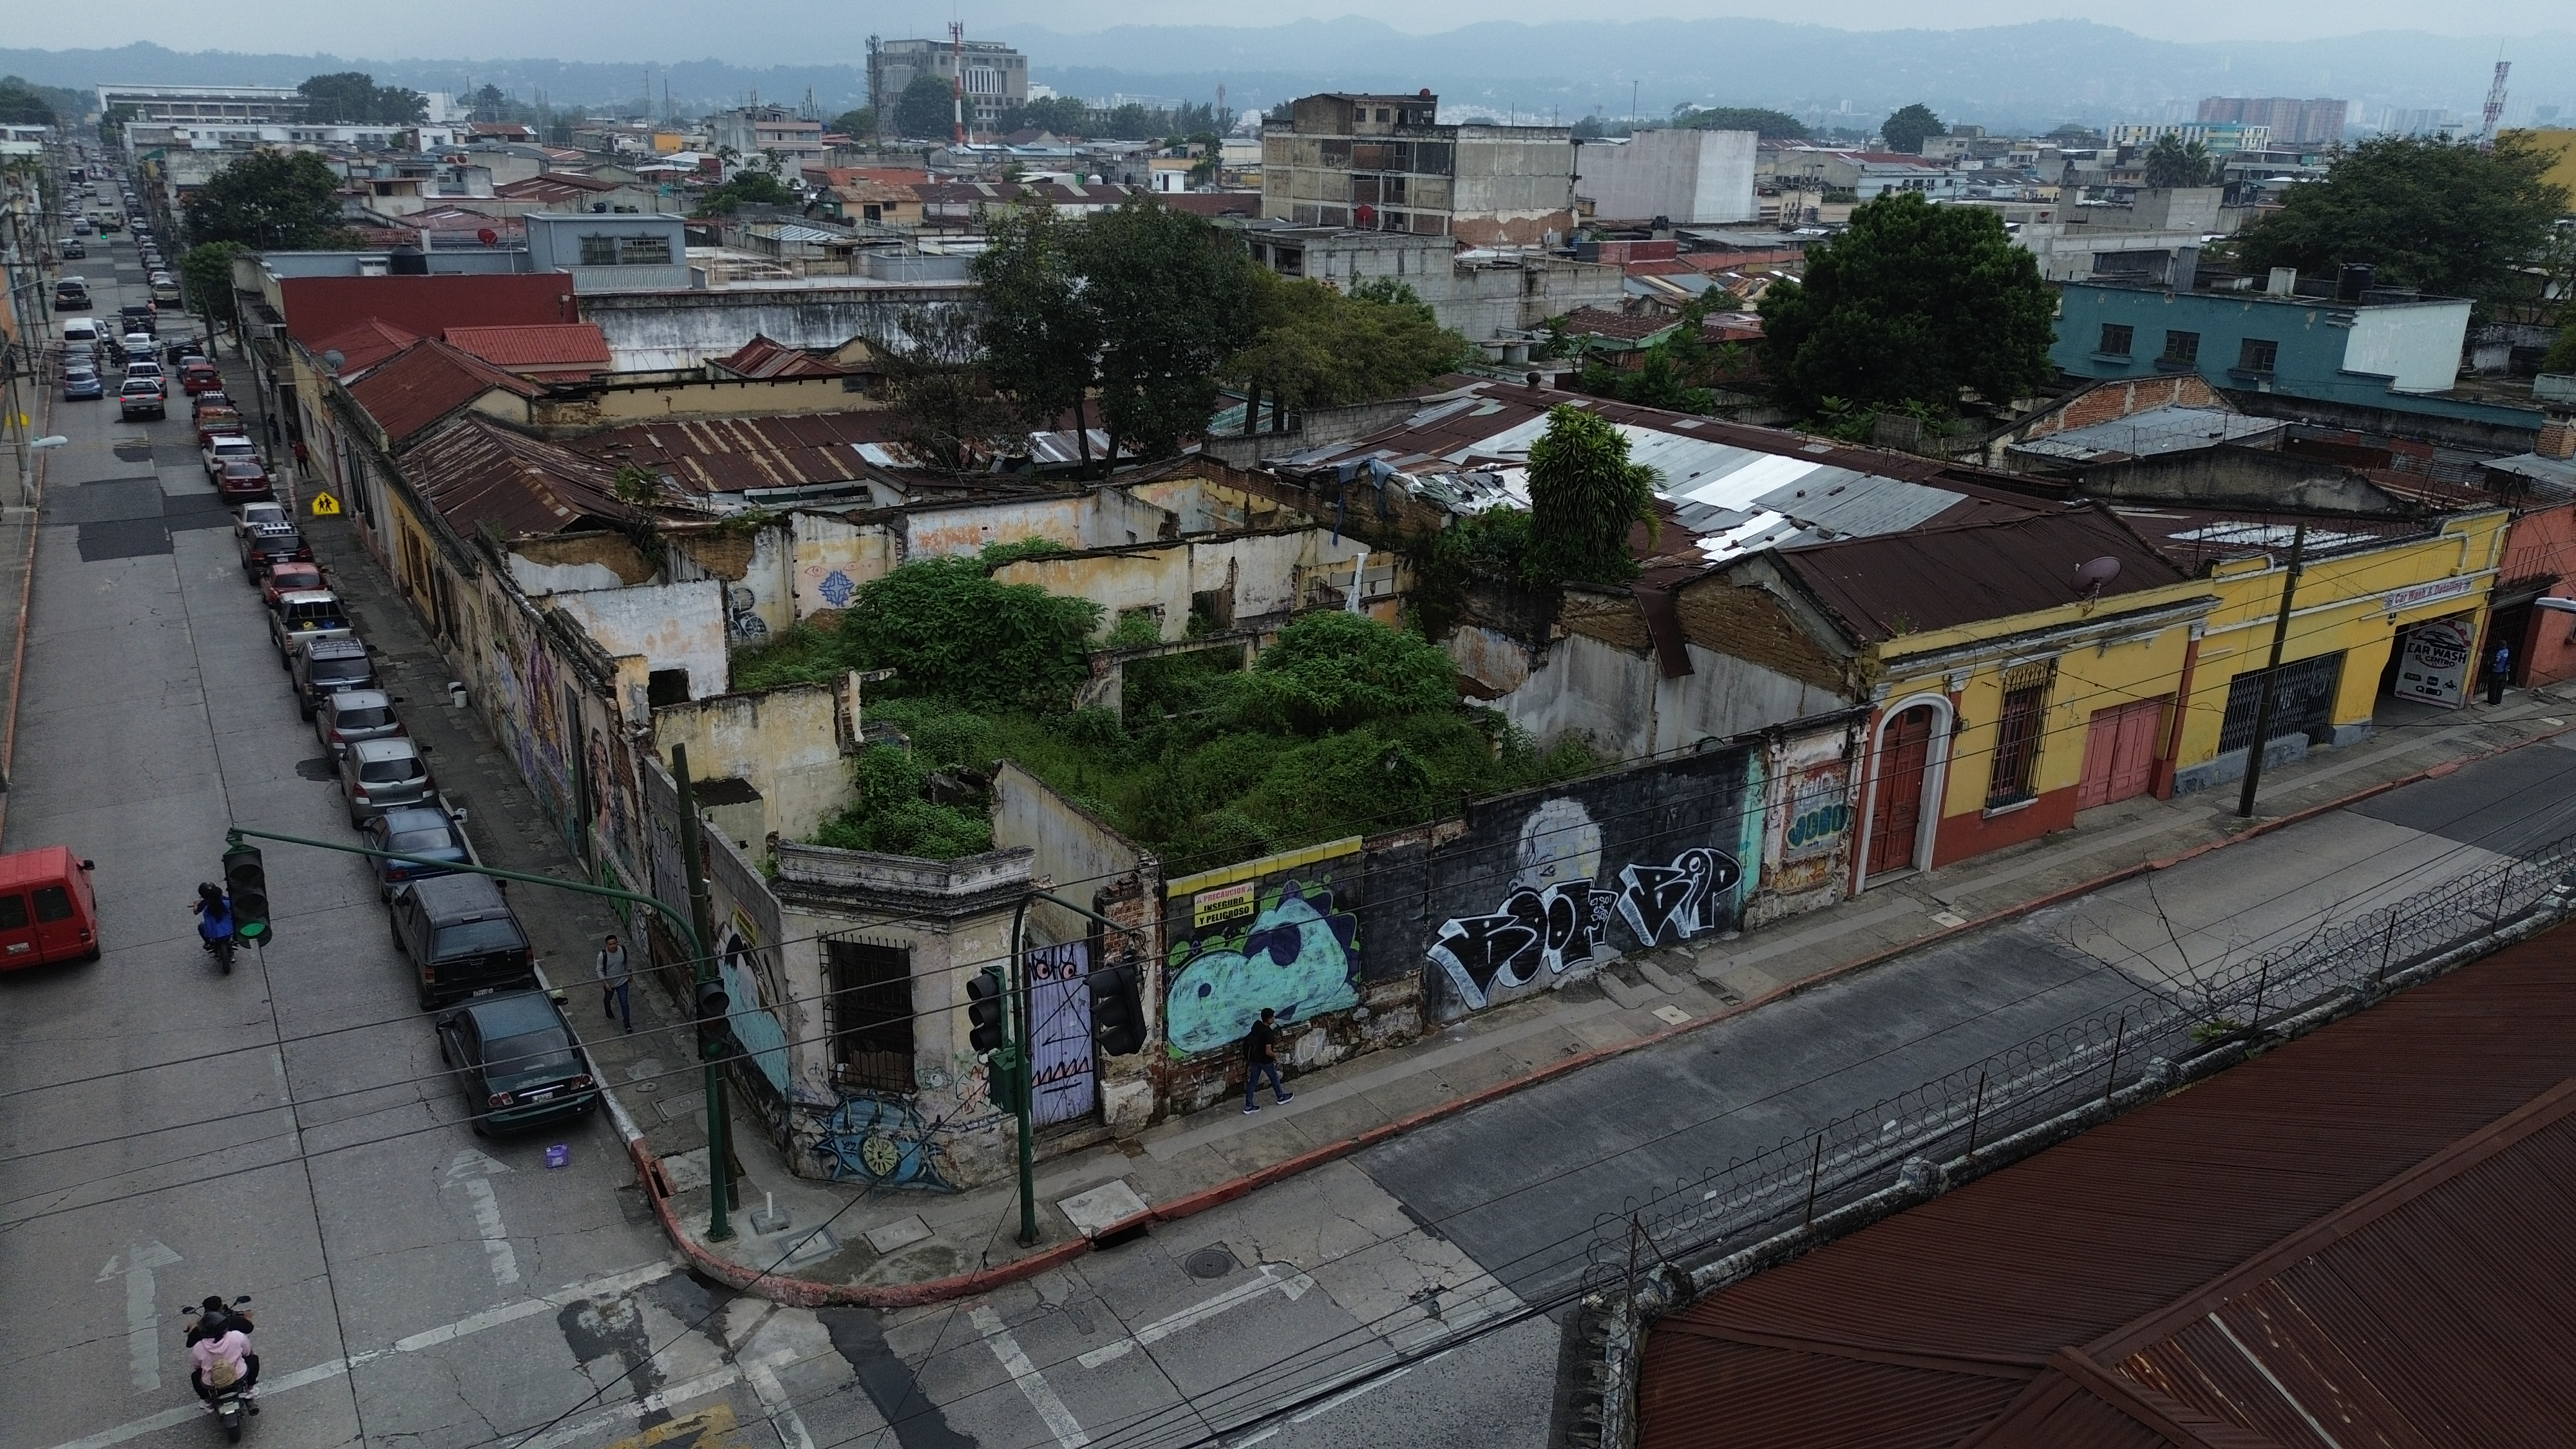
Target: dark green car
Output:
[(516, 1061)]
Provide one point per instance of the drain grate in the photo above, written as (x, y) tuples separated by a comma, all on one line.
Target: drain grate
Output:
[(1209, 1263)]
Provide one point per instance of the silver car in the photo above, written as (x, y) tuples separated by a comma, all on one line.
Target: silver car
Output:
[(352, 716), (376, 775)]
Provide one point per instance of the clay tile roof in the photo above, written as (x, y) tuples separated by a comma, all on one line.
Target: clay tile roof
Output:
[(2360, 1238), (1880, 586), (426, 382), (551, 346), (477, 473), (362, 345)]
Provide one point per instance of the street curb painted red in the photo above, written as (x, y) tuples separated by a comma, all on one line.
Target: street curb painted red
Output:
[(33, 481), (806, 1293)]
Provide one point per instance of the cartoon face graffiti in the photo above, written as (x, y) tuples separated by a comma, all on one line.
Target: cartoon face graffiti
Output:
[(1297, 956)]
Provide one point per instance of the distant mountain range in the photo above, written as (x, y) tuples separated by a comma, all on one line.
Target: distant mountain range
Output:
[(2017, 76)]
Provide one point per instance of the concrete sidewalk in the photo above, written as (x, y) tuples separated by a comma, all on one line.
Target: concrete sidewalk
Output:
[(813, 1242)]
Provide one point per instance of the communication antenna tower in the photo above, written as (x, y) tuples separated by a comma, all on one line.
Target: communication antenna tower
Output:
[(2495, 107), (957, 48)]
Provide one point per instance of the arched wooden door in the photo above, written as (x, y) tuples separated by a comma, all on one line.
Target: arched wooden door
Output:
[(1896, 811)]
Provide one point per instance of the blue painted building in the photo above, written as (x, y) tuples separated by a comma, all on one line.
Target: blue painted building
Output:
[(2367, 348)]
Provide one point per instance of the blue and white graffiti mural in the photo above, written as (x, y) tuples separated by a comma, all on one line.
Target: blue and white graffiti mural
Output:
[(881, 1140), (748, 1014), (1295, 954)]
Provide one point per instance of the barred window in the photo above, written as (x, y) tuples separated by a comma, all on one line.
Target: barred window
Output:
[(868, 1015), (2017, 745)]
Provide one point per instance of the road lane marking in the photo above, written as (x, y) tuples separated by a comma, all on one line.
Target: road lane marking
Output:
[(474, 1170), (1287, 1281), (611, 1285), (1041, 1394), (142, 1308), (658, 1401)]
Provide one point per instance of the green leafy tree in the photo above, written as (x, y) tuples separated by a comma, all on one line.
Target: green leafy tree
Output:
[(1773, 125), (857, 124), (268, 200), (1336, 671), (1041, 336), (22, 105), (1058, 115), (1913, 303), (2426, 211), (353, 97), (1909, 128), (1585, 498), (895, 816), (2170, 162), (927, 109), (1174, 299), (951, 633), (1316, 347), (944, 404), (206, 271), (750, 186)]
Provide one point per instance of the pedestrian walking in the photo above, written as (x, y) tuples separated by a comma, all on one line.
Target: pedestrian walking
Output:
[(1257, 1061), (614, 981), (2499, 671)]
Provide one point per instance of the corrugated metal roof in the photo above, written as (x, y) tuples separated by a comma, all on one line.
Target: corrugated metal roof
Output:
[(2192, 537), (1940, 577), (426, 382), (729, 455), (2156, 430), (476, 473), (2362, 1238)]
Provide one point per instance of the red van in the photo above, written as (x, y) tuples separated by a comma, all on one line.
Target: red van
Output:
[(47, 912)]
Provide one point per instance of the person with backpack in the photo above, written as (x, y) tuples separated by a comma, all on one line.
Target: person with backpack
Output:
[(1258, 1060)]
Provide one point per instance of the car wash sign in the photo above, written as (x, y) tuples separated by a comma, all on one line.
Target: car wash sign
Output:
[(2433, 661)]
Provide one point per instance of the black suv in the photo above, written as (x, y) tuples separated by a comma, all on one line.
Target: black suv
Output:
[(460, 938), (328, 666)]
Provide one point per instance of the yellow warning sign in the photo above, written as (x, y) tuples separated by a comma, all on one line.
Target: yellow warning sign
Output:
[(325, 506)]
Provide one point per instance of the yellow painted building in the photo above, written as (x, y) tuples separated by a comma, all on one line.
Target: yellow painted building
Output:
[(2561, 144)]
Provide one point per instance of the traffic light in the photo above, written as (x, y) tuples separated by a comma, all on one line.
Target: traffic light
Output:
[(984, 1010), (1117, 1016), (246, 881), (715, 1031)]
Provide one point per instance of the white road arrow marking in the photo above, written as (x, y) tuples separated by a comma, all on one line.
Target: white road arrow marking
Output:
[(142, 1308), (1289, 1282), (472, 1168)]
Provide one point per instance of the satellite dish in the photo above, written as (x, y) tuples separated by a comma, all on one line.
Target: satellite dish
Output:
[(2090, 579), (488, 237), (335, 360)]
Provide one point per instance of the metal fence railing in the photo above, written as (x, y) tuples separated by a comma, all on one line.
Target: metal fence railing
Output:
[(2033, 1082)]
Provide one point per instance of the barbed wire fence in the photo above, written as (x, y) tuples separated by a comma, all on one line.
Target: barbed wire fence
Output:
[(1766, 1207)]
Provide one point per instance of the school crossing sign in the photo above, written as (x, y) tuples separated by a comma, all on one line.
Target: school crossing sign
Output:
[(325, 506)]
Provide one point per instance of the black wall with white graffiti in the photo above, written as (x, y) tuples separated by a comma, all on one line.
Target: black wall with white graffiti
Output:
[(1549, 882)]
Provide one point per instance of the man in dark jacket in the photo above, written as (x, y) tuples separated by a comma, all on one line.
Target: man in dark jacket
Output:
[(1257, 1060)]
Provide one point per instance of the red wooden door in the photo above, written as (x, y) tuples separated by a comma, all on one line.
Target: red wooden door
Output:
[(1896, 813), (2120, 753)]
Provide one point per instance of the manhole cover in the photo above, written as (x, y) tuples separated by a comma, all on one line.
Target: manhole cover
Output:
[(317, 769), (1209, 1263)]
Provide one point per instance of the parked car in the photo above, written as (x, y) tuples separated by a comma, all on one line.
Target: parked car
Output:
[(177, 350), (200, 376), (243, 479), (270, 543), (289, 577), (303, 617), (377, 775), (516, 1062), (422, 831), (224, 448), (140, 397), (251, 515), (139, 317), (166, 292), (343, 719), (213, 423), (81, 384), (146, 367), (81, 227), (458, 934), (81, 332), (47, 910), (217, 400), (328, 666)]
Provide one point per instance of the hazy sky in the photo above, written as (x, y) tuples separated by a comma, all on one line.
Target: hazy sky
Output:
[(807, 33)]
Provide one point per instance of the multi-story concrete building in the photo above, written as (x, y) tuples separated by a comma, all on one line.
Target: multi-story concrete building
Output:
[(245, 105), (1385, 163), (1494, 300), (754, 130), (2291, 121), (2220, 137), (996, 76), (1682, 176)]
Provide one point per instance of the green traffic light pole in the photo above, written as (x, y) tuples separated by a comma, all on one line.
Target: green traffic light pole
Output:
[(718, 1229), (1016, 1060)]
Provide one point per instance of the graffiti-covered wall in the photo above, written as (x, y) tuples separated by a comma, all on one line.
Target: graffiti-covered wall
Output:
[(1807, 835), (1539, 888)]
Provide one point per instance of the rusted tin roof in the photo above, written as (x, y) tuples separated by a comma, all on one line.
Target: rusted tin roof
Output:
[(729, 455), (1939, 577), (477, 473), (2362, 1238), (425, 383)]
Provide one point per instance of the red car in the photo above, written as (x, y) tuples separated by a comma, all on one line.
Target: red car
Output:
[(286, 577), (243, 479), (196, 379)]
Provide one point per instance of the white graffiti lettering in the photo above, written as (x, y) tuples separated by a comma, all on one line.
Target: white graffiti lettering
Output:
[(1682, 898), (1565, 924)]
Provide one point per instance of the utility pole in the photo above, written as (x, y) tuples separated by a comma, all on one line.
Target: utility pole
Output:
[(702, 921), (2271, 675)]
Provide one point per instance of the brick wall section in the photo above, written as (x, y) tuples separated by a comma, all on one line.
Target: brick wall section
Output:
[(1750, 624), (2115, 400)]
